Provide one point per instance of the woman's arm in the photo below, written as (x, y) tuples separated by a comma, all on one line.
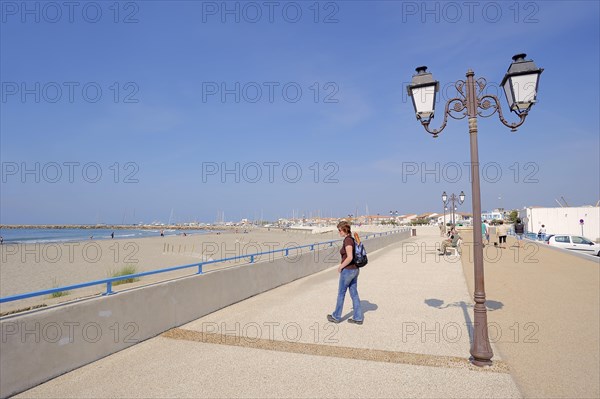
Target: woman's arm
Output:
[(349, 257)]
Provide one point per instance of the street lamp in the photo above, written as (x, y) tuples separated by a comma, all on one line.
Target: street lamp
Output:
[(520, 85), (445, 200), (445, 209), (453, 198)]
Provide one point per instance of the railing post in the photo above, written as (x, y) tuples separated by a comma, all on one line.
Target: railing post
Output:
[(287, 252), (109, 290), (312, 247), (200, 269), (251, 258)]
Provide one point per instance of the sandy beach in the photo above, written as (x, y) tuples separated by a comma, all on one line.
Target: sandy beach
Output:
[(32, 267)]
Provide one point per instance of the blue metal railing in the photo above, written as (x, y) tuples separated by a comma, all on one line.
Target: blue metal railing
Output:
[(109, 281), (528, 235)]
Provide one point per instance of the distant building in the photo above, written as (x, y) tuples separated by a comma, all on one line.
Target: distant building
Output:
[(491, 215), (459, 217), (406, 219), (563, 220)]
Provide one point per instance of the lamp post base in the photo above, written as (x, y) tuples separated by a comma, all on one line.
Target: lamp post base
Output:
[(480, 362)]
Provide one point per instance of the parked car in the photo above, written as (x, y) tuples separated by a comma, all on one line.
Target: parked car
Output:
[(575, 243)]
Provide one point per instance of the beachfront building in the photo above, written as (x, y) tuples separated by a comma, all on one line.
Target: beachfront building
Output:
[(563, 220), (496, 214), (376, 219), (405, 220), (459, 218), (430, 217)]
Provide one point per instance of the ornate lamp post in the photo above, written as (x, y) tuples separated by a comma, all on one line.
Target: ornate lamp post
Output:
[(445, 209), (520, 86), (454, 199)]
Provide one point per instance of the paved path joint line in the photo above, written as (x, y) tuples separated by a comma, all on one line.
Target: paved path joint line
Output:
[(374, 355)]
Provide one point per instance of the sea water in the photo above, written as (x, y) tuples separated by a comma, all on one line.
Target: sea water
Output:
[(31, 236)]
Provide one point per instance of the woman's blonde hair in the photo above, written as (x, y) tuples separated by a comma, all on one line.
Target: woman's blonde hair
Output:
[(344, 227)]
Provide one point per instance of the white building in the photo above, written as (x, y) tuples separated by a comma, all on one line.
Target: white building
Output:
[(459, 217), (565, 220), (491, 215)]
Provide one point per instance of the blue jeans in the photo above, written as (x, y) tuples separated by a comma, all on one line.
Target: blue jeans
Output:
[(348, 280)]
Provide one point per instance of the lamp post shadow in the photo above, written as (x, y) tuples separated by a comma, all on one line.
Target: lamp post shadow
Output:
[(439, 304)]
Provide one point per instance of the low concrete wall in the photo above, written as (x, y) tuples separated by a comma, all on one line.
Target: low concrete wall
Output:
[(44, 344)]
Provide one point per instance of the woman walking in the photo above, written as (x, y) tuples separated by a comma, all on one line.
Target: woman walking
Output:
[(348, 278)]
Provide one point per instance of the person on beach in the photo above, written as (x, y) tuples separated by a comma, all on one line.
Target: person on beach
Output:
[(1, 240), (162, 233), (348, 278), (502, 230), (112, 235), (519, 231)]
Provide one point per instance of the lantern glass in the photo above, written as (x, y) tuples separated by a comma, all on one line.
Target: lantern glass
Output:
[(520, 84), (461, 196), (424, 100), (444, 197), (521, 91), (423, 90)]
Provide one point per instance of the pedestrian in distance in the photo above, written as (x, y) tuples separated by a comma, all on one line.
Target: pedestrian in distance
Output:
[(519, 231), (348, 278), (542, 233), (484, 231), (502, 233)]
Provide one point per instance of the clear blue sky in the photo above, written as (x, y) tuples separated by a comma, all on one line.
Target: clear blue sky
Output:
[(163, 123)]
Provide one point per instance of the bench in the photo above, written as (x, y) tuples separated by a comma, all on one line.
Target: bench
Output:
[(457, 250)]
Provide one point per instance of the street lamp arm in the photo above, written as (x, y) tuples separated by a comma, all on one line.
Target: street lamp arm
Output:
[(485, 104), (459, 105)]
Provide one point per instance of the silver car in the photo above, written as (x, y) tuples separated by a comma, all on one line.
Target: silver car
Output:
[(575, 243)]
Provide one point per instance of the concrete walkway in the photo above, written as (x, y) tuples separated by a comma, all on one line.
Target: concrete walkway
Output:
[(414, 342)]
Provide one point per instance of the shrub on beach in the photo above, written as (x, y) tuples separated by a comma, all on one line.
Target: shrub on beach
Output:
[(58, 294), (125, 271)]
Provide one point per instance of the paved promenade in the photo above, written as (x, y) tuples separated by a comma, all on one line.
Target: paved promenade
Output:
[(414, 342)]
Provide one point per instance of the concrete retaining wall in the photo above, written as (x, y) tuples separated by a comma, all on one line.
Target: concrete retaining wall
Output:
[(44, 344)]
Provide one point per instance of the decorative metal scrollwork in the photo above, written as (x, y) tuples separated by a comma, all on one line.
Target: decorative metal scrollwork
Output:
[(459, 105), (460, 85), (487, 105)]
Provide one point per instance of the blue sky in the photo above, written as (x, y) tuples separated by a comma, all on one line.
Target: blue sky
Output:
[(314, 115)]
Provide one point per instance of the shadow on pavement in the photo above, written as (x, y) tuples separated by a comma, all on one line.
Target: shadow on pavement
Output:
[(366, 307), (439, 304)]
